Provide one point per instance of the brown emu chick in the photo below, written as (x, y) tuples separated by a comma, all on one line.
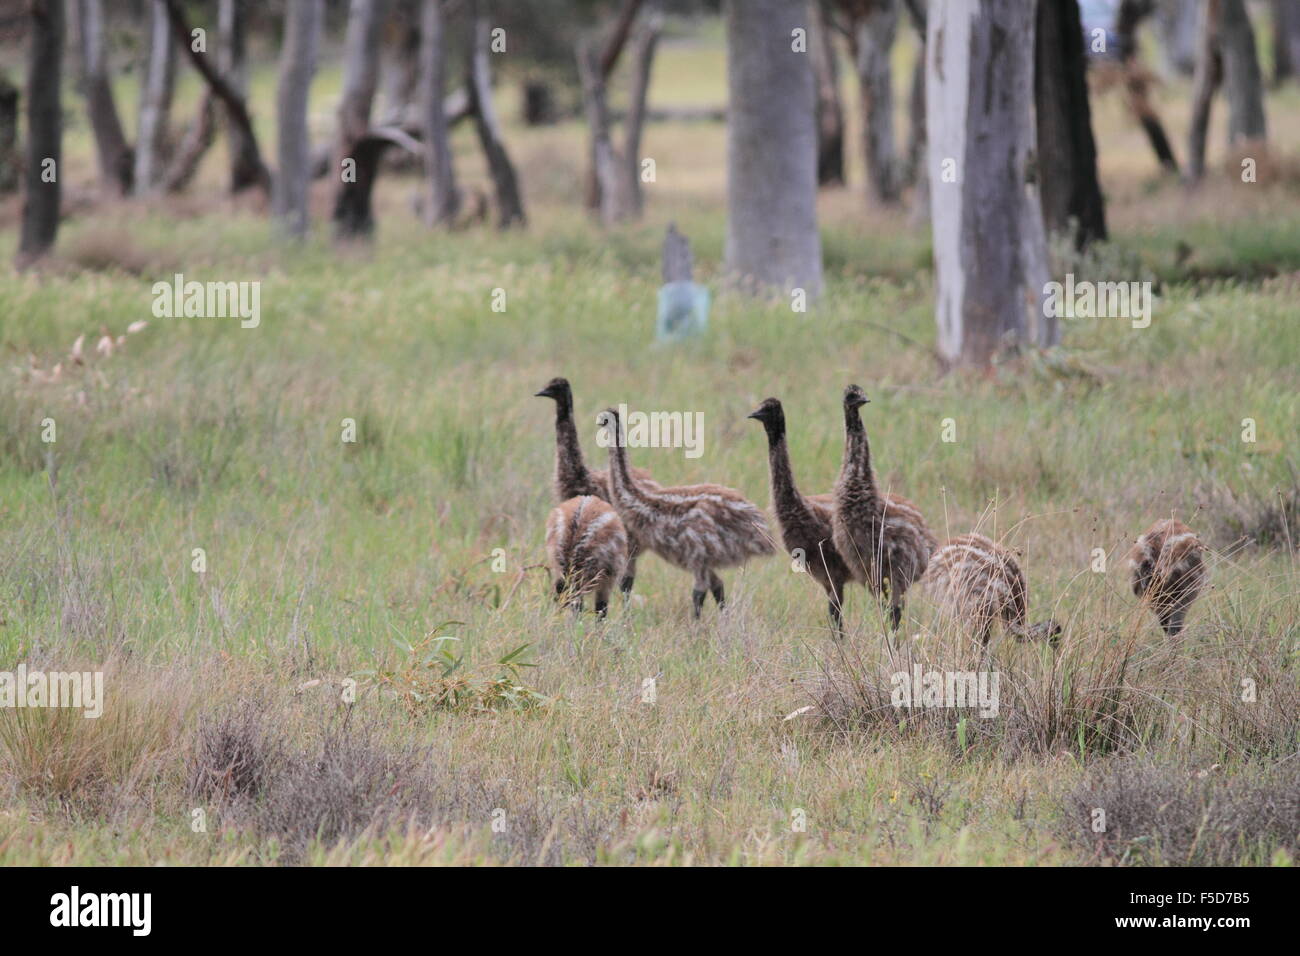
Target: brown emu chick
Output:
[(979, 583), (1169, 571), (698, 528), (882, 537), (572, 476), (805, 522), (586, 547)]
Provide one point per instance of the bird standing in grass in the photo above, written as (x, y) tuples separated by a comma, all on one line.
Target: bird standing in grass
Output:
[(979, 583), (882, 537), (1169, 571), (805, 521), (698, 528), (572, 476), (586, 547)]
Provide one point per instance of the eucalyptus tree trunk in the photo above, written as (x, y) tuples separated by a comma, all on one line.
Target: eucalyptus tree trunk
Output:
[(1176, 25), (289, 193), (1067, 155), (1243, 82), (115, 157), (830, 112), (772, 239), (643, 55), (441, 201), (42, 172), (9, 162), (155, 102), (353, 210), (246, 169), (874, 34), (478, 81), (1209, 74), (989, 249)]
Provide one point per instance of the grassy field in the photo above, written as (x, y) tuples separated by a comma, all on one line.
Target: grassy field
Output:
[(406, 564)]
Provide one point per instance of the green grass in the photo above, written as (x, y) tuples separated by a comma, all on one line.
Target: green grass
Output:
[(328, 561)]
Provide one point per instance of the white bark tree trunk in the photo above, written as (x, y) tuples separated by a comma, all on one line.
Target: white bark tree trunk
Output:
[(155, 101), (989, 249), (289, 193), (772, 238)]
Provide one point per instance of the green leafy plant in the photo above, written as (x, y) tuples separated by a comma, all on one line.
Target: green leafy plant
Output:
[(436, 677)]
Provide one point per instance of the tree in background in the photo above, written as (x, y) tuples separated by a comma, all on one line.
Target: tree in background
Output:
[(156, 88), (772, 238), (830, 113), (990, 254), (43, 173), (872, 27), (1226, 55), (9, 163), (1137, 80), (247, 168), (442, 201), (114, 154), (289, 194), (614, 179), (355, 160), (1243, 81), (1067, 155), (478, 81)]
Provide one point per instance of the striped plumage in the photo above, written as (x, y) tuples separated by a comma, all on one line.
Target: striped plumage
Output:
[(979, 583), (1169, 571), (586, 547), (882, 537), (572, 476), (698, 528), (805, 522)]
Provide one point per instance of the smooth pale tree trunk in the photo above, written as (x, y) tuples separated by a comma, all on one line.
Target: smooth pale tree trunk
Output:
[(289, 193), (873, 43), (772, 240), (247, 168), (1208, 76), (989, 250), (9, 162), (353, 210), (112, 151), (1243, 82), (830, 112), (43, 169), (155, 102), (1067, 155), (478, 80), (442, 200)]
